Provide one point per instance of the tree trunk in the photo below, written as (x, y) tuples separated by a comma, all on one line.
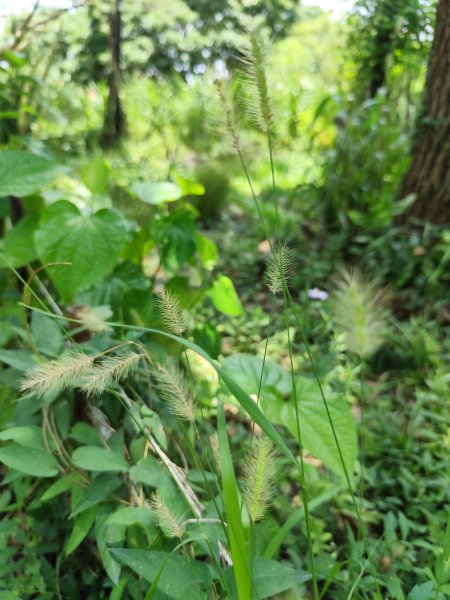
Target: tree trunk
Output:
[(114, 122), (428, 176)]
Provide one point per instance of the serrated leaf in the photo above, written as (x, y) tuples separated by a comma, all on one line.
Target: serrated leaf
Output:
[(91, 244), (18, 244), (97, 458), (22, 173), (31, 461), (422, 591)]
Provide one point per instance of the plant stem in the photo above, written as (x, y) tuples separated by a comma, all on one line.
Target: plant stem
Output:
[(336, 440), (302, 465)]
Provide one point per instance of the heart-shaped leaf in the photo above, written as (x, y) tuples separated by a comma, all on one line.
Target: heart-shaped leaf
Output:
[(22, 173), (91, 244)]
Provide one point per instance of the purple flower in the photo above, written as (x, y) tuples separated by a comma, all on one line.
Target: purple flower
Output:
[(317, 294)]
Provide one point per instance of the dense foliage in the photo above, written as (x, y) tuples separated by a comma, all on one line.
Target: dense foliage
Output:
[(223, 360)]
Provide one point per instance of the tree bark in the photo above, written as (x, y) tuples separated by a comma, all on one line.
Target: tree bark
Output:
[(114, 122), (428, 176)]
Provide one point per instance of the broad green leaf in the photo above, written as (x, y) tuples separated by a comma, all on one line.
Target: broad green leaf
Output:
[(224, 296), (62, 485), (315, 429), (126, 279), (107, 534), (47, 335), (148, 470), (246, 370), (132, 515), (157, 193), (18, 244), (22, 173), (97, 458), (153, 421), (91, 244), (178, 242), (81, 527), (31, 461), (14, 58), (21, 360), (316, 432), (83, 433), (271, 577), (236, 534), (97, 492), (207, 250), (181, 578), (29, 435), (95, 175), (422, 591), (189, 188)]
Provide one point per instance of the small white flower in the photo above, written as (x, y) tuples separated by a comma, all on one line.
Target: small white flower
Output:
[(317, 294)]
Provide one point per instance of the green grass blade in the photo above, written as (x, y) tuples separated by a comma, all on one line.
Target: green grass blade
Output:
[(238, 543)]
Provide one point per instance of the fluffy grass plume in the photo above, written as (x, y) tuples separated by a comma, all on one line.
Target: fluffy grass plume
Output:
[(259, 474), (171, 523), (279, 269), (359, 313), (55, 375), (226, 120), (111, 369), (171, 312), (214, 443), (174, 389), (257, 98)]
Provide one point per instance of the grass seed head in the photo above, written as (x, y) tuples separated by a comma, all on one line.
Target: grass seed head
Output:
[(259, 475), (109, 371), (279, 269), (359, 312), (174, 389), (55, 375), (170, 522)]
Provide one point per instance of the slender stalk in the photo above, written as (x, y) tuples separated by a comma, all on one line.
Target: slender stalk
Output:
[(336, 440), (302, 464), (285, 303), (266, 344), (361, 432)]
